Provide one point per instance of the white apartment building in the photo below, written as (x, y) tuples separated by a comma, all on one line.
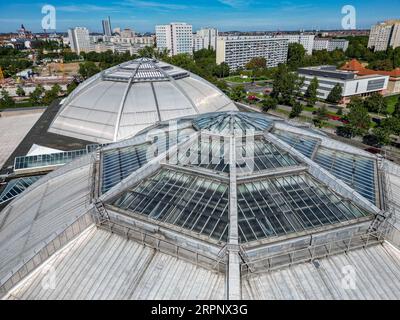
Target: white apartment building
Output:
[(175, 37), (330, 44), (205, 38), (340, 44), (307, 41), (237, 51), (144, 40), (79, 39), (351, 83), (385, 34), (321, 44)]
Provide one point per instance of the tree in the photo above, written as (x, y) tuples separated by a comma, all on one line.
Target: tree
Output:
[(20, 92), (296, 54), (391, 125), (255, 65), (382, 136), (286, 84), (296, 110), (358, 117), (396, 111), (311, 93), (88, 69), (146, 52), (321, 116), (51, 95), (56, 89), (269, 103), (6, 101), (336, 94), (221, 70), (238, 93), (36, 95), (71, 87), (376, 103)]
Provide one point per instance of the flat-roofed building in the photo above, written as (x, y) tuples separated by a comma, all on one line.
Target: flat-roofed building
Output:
[(306, 40), (385, 34), (79, 39), (205, 38), (175, 37), (237, 51), (352, 84), (330, 44)]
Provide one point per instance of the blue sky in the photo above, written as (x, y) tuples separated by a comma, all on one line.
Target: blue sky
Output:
[(246, 15)]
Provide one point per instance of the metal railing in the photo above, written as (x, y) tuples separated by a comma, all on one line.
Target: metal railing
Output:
[(317, 251), (212, 263)]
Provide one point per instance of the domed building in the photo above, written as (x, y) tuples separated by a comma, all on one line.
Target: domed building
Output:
[(119, 102), (222, 205)]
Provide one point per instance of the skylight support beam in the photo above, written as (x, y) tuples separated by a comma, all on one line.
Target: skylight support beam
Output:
[(233, 284)]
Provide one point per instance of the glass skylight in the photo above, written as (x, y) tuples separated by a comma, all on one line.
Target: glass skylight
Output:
[(224, 123), (356, 171), (289, 204), (16, 187), (191, 202), (47, 160), (303, 144)]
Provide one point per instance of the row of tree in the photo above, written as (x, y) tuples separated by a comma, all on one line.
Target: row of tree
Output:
[(359, 122), (38, 97)]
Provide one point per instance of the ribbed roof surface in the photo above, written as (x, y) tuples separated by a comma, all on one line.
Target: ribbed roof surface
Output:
[(119, 102), (293, 197)]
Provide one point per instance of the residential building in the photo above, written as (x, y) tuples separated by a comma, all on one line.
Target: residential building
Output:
[(330, 44), (145, 40), (352, 84), (107, 27), (394, 75), (175, 37), (127, 33), (385, 34), (321, 44), (79, 39), (306, 40), (338, 44), (205, 38), (237, 51)]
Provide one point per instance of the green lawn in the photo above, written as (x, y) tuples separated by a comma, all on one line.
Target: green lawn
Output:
[(238, 79), (391, 101)]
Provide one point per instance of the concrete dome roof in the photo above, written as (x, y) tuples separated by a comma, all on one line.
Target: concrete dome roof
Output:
[(123, 100)]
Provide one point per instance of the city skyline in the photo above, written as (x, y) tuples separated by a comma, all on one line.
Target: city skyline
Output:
[(226, 15)]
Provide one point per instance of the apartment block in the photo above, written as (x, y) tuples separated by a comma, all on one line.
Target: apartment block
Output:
[(330, 44), (307, 41), (237, 51), (79, 39), (205, 38), (175, 37), (385, 34)]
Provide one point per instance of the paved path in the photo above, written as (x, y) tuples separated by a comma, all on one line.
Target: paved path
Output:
[(13, 130)]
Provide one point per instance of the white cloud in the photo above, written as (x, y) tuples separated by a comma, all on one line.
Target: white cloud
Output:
[(235, 3)]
